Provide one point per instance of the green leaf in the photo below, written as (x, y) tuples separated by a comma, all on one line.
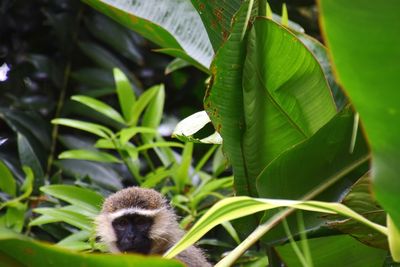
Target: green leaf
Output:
[(182, 55), (29, 158), (75, 241), (394, 239), (44, 219), (159, 144), (74, 218), (176, 24), (15, 216), (125, 94), (176, 64), (154, 112), (286, 97), (236, 207), (81, 197), (89, 155), (27, 186), (360, 199), (154, 178), (38, 254), (366, 57), (224, 98), (332, 251), (143, 101), (217, 17), (99, 106), (7, 182), (287, 176), (285, 17), (127, 133), (181, 175), (93, 128)]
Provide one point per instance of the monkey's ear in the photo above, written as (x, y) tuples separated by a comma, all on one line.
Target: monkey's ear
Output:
[(167, 204)]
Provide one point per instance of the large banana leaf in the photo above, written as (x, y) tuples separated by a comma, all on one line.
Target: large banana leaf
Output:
[(168, 23), (317, 161), (318, 168), (217, 18), (286, 97), (281, 100), (224, 98), (20, 251), (364, 42)]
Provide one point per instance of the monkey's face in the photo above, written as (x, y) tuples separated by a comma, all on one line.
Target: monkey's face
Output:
[(132, 232)]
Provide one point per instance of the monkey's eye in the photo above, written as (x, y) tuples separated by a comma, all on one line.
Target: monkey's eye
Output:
[(122, 223)]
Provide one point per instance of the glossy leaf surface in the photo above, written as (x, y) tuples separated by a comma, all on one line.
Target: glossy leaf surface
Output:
[(364, 46), (170, 24)]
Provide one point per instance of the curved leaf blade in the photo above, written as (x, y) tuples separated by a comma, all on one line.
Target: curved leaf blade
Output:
[(170, 24), (89, 155), (81, 197), (7, 182), (126, 96), (236, 207), (93, 128), (99, 106)]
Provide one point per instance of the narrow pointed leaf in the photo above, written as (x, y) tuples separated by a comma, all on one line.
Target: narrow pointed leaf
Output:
[(127, 133), (99, 106), (236, 207), (143, 101), (80, 197), (93, 128), (7, 182), (73, 218), (89, 155), (125, 94)]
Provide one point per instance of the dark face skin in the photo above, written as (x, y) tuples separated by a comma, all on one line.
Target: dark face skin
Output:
[(132, 233)]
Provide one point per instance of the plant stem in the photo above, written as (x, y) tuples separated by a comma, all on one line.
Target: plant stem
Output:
[(262, 229), (262, 8), (63, 92)]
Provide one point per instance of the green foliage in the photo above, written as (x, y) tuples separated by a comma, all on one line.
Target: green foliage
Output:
[(372, 88), (286, 127)]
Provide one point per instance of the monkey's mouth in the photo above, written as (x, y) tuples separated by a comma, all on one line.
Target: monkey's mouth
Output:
[(143, 248)]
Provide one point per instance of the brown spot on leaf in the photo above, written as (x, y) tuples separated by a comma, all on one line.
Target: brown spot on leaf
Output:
[(219, 13), (29, 251), (202, 6)]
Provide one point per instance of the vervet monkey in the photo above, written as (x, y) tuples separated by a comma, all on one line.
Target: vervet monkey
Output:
[(142, 221)]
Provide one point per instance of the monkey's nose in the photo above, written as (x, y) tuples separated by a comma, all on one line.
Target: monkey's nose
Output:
[(126, 243)]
